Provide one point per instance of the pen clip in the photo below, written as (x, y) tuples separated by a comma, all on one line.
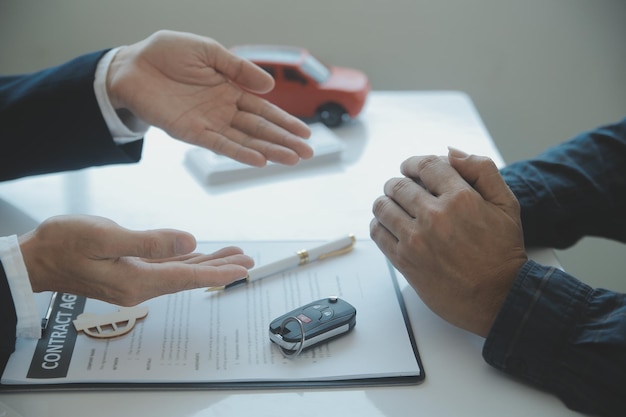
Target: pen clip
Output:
[(340, 251)]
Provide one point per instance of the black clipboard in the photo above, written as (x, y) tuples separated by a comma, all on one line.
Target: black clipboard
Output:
[(252, 384)]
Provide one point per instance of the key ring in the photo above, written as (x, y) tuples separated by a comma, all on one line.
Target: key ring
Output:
[(290, 354)]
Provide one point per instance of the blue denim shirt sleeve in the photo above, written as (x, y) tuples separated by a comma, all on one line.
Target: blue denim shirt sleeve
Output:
[(563, 336), (554, 331), (573, 190)]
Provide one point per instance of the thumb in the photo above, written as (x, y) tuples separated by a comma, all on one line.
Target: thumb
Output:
[(483, 175), (156, 244)]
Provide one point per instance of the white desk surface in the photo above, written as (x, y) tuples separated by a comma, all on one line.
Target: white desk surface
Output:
[(319, 202)]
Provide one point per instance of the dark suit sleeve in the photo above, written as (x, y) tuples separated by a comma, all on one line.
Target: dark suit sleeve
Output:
[(50, 121), (8, 321)]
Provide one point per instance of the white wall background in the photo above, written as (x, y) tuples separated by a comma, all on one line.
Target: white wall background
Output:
[(539, 71)]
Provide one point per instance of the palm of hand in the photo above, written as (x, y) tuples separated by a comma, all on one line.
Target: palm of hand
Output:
[(197, 91), (193, 103)]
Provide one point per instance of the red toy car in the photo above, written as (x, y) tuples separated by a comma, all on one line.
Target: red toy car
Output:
[(307, 88)]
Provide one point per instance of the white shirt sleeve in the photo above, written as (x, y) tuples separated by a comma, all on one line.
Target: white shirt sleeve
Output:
[(28, 320), (123, 125), (124, 128)]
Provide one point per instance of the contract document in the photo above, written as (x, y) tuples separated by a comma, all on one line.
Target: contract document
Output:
[(219, 339)]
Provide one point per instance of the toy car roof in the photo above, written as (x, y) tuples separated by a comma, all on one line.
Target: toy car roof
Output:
[(270, 53)]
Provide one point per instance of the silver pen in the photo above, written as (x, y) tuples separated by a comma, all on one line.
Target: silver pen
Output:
[(302, 257)]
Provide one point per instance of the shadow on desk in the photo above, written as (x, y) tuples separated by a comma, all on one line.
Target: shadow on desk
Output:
[(14, 221)]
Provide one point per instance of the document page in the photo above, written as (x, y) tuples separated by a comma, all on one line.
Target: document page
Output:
[(222, 337)]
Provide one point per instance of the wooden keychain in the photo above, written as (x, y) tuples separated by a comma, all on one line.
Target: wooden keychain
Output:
[(103, 326)]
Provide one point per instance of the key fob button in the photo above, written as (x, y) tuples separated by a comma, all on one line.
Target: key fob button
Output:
[(314, 312), (327, 314)]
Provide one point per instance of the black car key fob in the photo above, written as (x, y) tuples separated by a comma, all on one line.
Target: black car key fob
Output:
[(312, 324)]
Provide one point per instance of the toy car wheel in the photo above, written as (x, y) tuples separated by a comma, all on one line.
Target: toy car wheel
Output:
[(331, 114)]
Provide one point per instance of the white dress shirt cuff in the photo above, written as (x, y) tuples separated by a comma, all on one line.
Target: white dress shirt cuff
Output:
[(28, 320), (122, 124)]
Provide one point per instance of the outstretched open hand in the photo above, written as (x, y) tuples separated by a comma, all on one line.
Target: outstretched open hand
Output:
[(95, 257), (199, 92)]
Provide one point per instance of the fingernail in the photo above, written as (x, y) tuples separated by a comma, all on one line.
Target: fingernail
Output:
[(456, 153)]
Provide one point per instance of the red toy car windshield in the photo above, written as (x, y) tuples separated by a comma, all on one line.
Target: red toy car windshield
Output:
[(315, 69)]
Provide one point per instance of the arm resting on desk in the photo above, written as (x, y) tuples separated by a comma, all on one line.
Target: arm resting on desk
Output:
[(553, 330), (563, 336)]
